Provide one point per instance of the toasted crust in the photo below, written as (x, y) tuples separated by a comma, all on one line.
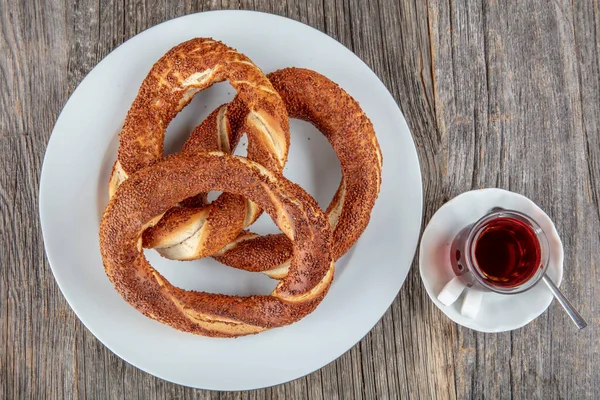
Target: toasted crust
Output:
[(154, 190), (170, 85), (314, 98)]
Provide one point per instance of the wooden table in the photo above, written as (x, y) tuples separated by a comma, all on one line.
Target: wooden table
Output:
[(496, 95)]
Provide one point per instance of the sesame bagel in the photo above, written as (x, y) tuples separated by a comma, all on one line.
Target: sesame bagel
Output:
[(172, 82), (148, 194), (313, 97)]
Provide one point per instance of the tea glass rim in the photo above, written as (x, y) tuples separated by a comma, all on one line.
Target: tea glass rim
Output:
[(477, 228)]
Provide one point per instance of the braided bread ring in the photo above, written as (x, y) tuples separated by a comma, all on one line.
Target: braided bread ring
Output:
[(314, 98), (170, 85), (153, 190)]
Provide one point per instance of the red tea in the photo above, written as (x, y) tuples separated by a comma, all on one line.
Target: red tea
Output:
[(507, 252)]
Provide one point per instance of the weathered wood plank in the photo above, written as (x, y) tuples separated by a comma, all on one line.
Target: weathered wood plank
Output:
[(34, 315), (509, 108)]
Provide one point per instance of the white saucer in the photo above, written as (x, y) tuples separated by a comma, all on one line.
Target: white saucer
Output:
[(498, 312)]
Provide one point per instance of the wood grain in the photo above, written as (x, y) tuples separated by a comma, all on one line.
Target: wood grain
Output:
[(496, 93)]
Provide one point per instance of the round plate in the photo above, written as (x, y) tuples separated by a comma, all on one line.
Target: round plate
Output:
[(498, 312), (73, 194)]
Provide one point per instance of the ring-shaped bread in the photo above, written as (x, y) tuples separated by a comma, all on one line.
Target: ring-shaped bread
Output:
[(170, 85), (313, 97), (149, 193)]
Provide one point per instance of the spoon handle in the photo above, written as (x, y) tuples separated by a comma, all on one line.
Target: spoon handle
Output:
[(575, 316)]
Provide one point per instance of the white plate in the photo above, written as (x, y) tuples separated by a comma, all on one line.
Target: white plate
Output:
[(499, 312), (73, 193)]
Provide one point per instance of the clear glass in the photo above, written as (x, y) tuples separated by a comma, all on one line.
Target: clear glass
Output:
[(464, 261)]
